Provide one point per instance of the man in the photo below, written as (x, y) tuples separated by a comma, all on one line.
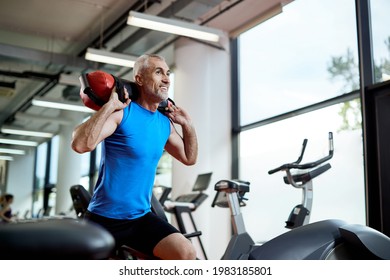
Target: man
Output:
[(134, 135), (5, 209)]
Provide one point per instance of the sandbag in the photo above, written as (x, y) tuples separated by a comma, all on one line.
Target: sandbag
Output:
[(96, 89)]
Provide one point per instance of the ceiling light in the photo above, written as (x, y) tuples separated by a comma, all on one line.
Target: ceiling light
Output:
[(110, 57), (174, 27), (12, 151), (11, 130), (6, 158), (60, 104), (18, 142)]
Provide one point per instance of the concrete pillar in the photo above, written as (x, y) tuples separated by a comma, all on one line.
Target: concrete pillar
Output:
[(69, 163), (202, 87)]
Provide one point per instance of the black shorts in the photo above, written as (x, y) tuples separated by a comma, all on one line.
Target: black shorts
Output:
[(141, 234)]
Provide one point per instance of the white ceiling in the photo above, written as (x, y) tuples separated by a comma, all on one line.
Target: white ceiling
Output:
[(40, 39)]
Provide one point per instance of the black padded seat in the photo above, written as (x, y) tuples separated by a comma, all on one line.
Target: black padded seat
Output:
[(54, 239)]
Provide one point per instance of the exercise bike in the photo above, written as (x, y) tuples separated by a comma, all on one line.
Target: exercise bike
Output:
[(324, 240), (300, 214)]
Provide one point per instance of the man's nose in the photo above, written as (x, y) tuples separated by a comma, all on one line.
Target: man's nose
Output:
[(165, 78)]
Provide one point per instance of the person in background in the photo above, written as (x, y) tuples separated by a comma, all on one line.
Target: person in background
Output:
[(134, 135), (6, 211)]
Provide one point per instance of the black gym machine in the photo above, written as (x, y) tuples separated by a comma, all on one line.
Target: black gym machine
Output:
[(331, 239)]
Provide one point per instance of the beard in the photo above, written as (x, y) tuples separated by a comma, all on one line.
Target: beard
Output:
[(158, 92)]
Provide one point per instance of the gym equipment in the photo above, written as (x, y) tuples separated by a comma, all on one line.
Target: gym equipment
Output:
[(197, 195), (324, 240), (300, 215), (80, 198), (183, 206), (235, 191), (230, 193), (96, 88), (56, 239)]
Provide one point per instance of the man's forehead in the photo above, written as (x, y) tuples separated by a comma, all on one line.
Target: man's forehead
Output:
[(158, 63)]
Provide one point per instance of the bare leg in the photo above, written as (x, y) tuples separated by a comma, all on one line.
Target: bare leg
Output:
[(175, 247)]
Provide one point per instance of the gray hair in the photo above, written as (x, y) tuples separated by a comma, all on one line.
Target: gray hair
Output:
[(142, 63)]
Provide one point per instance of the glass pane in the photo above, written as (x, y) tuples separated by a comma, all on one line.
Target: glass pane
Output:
[(337, 193), (380, 22), (40, 171), (54, 159), (40, 174), (304, 55)]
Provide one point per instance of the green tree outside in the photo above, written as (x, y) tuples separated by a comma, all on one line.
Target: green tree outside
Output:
[(346, 69)]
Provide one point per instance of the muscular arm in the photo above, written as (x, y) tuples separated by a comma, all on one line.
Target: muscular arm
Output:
[(184, 149), (102, 124)]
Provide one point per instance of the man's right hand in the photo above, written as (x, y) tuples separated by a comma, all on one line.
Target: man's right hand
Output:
[(116, 103)]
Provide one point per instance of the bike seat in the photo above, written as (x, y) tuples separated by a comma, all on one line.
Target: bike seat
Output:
[(232, 186)]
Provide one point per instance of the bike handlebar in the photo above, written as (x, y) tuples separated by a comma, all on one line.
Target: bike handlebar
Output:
[(297, 165)]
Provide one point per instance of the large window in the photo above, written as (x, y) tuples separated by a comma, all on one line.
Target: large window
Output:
[(296, 58), (381, 39), (304, 56), (337, 193)]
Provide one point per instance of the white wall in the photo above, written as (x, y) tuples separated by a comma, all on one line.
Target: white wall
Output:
[(202, 87)]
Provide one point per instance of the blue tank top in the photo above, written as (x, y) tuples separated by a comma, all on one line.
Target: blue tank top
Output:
[(128, 165)]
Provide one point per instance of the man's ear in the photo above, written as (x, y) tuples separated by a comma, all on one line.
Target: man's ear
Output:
[(138, 80)]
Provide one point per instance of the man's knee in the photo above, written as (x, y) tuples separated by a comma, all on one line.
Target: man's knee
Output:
[(188, 253), (175, 247)]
